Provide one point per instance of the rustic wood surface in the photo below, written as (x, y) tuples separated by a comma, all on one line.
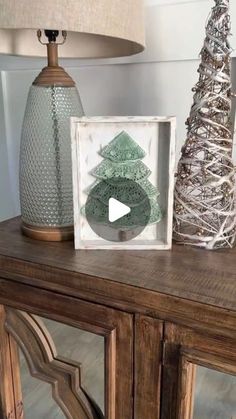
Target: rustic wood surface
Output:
[(177, 308), (185, 272), (188, 286)]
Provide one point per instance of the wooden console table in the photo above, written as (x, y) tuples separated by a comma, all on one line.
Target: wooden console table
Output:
[(161, 315)]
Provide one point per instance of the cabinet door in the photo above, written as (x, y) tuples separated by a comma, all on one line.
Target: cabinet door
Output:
[(199, 375), (66, 358)]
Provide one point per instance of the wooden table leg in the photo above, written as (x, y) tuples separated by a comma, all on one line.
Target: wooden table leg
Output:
[(11, 405)]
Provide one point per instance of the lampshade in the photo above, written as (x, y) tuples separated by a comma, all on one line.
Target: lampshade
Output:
[(96, 28)]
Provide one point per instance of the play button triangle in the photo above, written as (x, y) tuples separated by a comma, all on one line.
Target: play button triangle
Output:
[(117, 210)]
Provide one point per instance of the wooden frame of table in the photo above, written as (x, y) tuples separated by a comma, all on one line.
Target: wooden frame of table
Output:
[(161, 313)]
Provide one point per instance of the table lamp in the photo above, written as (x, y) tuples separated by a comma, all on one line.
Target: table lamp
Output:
[(82, 28)]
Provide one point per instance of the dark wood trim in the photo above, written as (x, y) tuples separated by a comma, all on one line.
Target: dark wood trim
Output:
[(110, 379), (186, 387), (148, 360), (170, 376), (123, 297), (216, 360), (11, 404)]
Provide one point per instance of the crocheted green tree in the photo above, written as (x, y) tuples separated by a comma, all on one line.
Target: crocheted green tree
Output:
[(121, 165)]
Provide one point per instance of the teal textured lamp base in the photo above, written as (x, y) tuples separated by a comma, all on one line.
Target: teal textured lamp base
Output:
[(45, 161), (46, 192)]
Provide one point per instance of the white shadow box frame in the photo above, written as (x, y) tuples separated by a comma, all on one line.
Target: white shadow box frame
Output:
[(156, 136)]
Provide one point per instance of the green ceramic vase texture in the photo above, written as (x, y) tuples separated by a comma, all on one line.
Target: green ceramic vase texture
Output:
[(46, 192)]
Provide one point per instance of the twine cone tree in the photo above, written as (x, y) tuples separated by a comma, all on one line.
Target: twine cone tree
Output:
[(205, 199), (116, 176)]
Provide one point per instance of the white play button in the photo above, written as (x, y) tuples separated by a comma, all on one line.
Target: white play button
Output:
[(117, 210), (113, 211)]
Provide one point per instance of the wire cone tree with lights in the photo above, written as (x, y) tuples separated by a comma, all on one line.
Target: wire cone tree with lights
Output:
[(205, 199)]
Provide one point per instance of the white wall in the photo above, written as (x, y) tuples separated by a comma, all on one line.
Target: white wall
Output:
[(157, 82)]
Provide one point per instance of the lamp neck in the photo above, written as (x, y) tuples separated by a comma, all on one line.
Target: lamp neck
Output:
[(53, 75), (52, 52), (52, 46)]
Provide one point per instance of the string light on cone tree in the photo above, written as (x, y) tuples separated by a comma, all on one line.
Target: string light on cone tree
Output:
[(205, 198)]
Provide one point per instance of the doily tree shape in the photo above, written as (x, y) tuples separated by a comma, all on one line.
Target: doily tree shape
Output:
[(205, 201), (122, 164)]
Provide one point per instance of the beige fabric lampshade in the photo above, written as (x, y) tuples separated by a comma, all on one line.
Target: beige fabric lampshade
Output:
[(96, 28)]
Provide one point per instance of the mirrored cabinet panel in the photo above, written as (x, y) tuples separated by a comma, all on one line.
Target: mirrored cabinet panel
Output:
[(61, 368), (214, 395), (199, 375), (86, 349), (37, 396)]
